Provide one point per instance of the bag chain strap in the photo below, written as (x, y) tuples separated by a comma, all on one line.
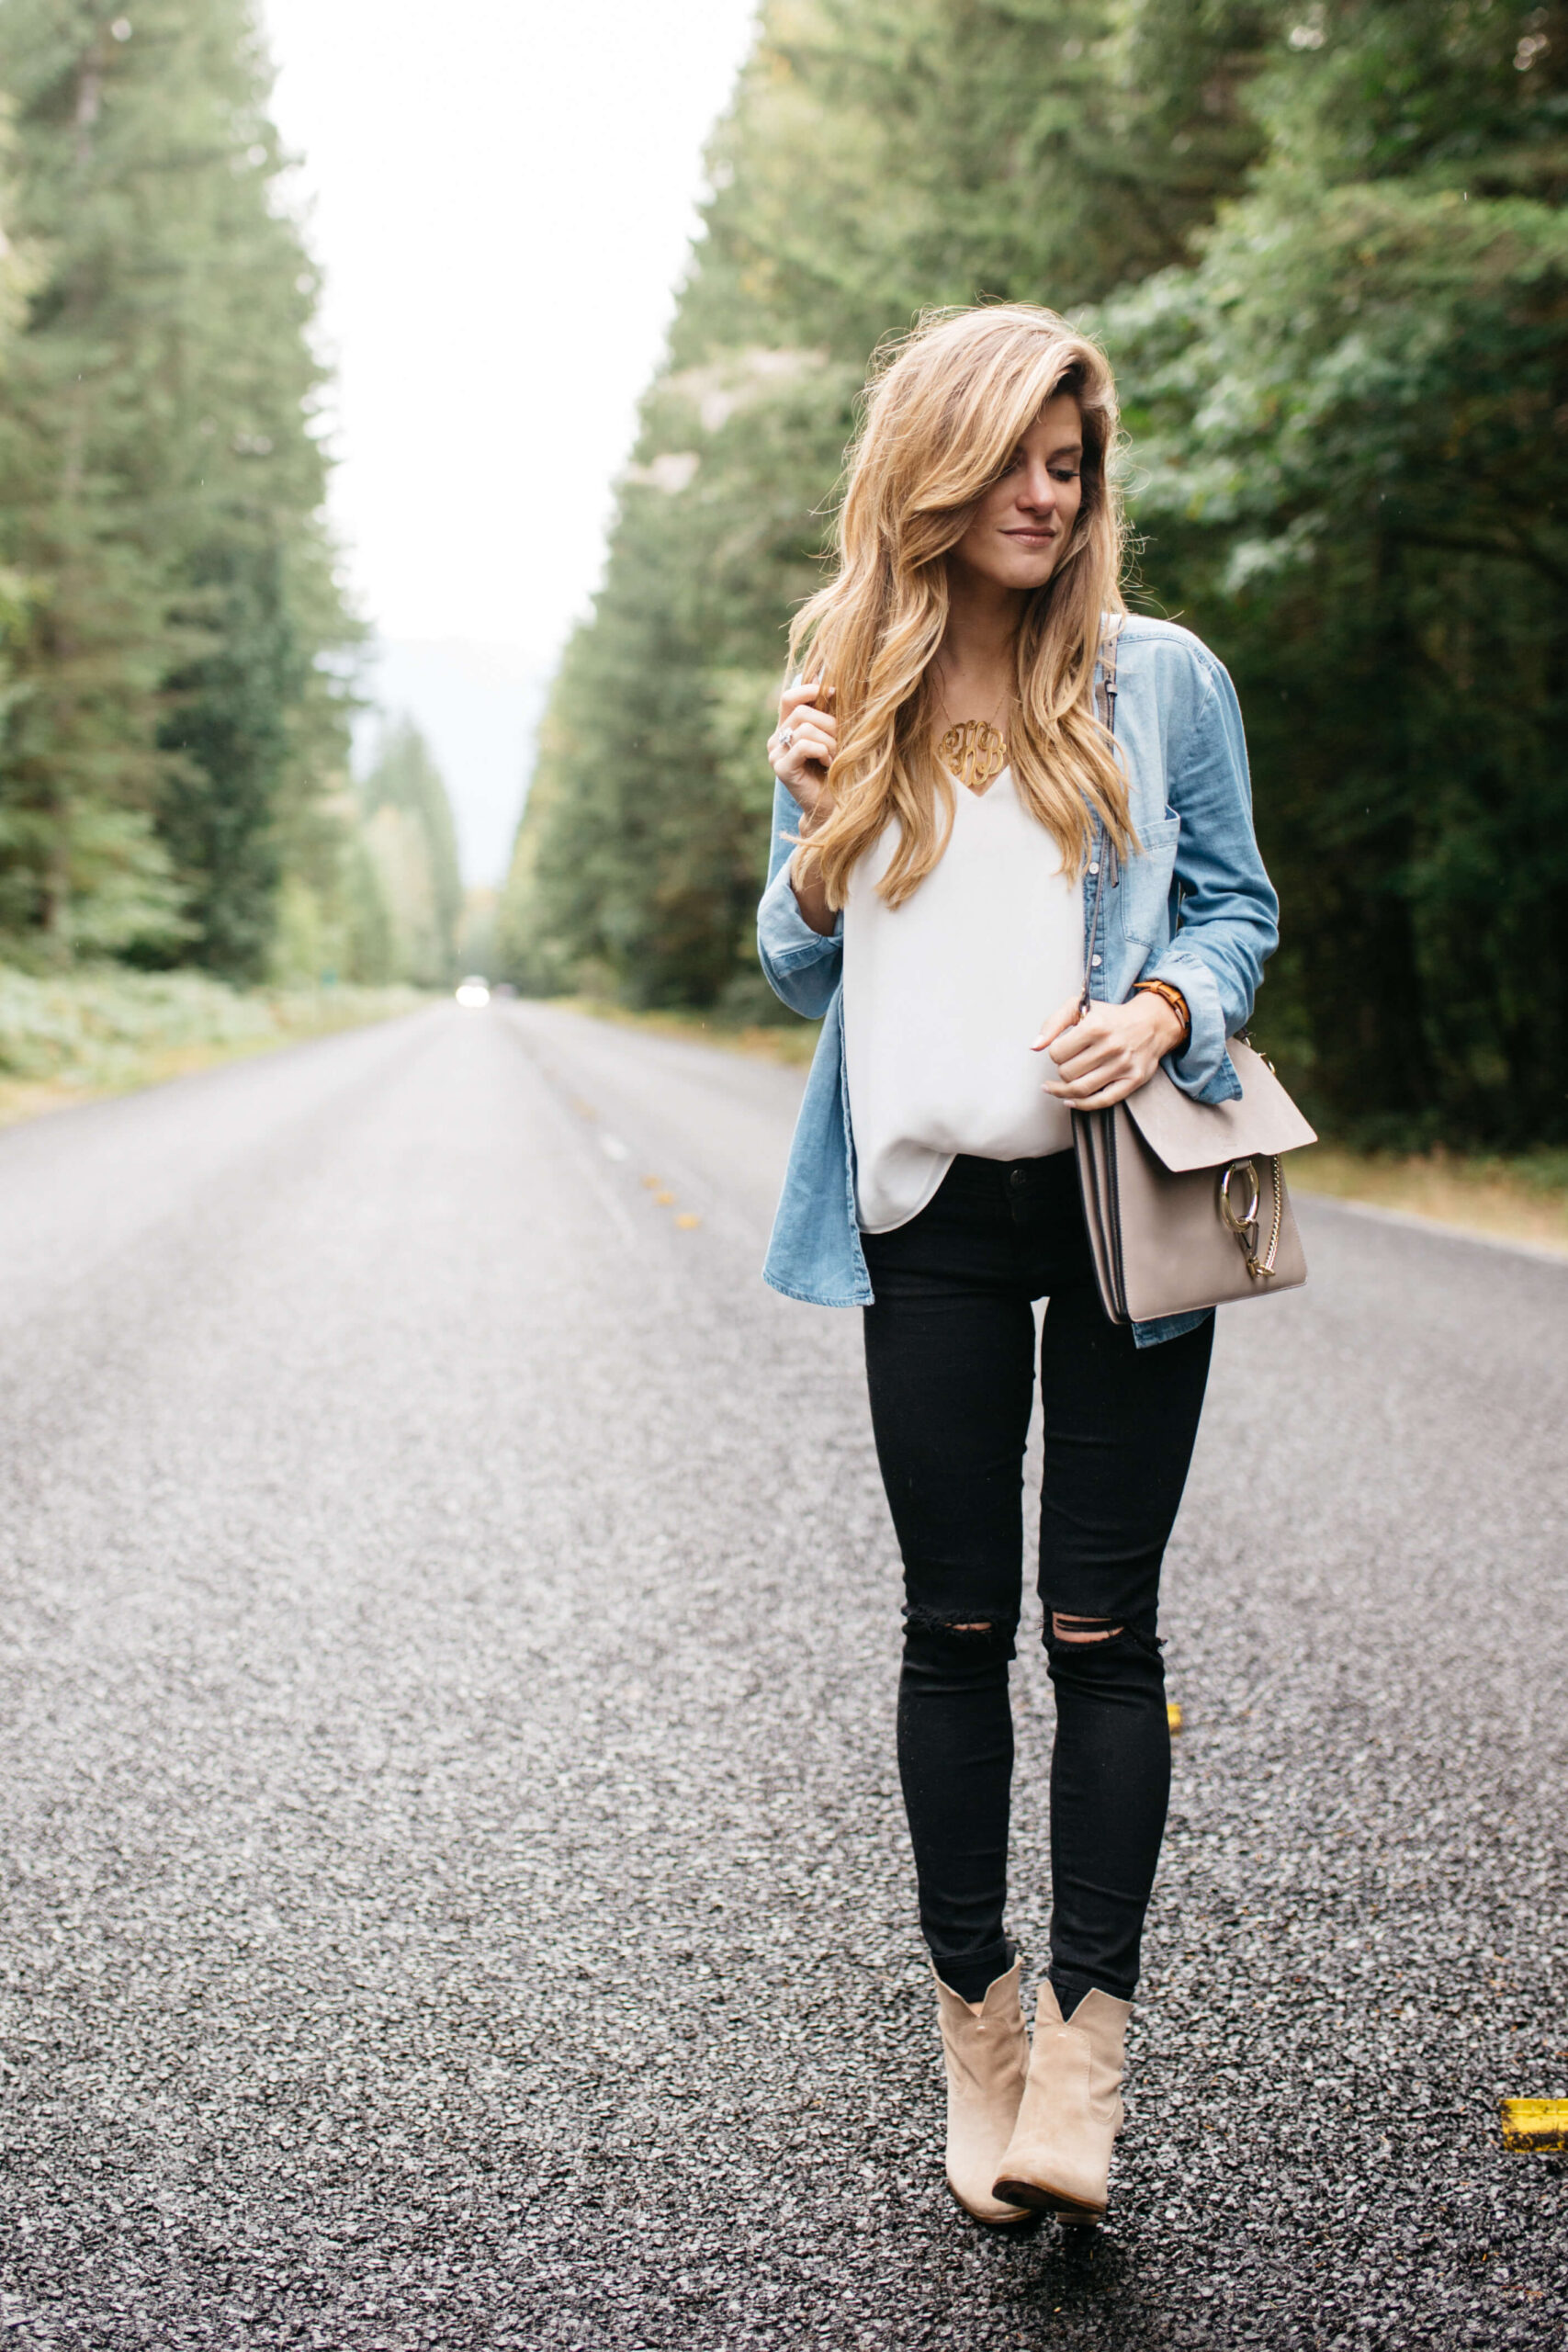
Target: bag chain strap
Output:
[(1245, 1225)]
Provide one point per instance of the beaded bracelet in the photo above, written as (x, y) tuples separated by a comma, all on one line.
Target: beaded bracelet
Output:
[(1174, 998)]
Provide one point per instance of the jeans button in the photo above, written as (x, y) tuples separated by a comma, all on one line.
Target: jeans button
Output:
[(1019, 1178)]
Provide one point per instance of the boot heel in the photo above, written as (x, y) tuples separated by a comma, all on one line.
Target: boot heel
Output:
[(1042, 2199)]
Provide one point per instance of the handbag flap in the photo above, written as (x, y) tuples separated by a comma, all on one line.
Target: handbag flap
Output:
[(1185, 1134)]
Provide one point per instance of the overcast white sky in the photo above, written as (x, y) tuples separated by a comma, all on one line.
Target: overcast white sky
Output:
[(501, 197)]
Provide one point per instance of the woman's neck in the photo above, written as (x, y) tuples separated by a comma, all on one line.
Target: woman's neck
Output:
[(975, 663)]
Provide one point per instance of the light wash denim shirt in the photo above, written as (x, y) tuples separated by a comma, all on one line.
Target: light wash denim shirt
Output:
[(1194, 908)]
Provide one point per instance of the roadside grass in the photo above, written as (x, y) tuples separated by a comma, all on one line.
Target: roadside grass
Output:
[(87, 1034), (1520, 1198)]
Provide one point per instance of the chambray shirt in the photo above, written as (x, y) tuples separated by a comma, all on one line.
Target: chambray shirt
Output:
[(1194, 908)]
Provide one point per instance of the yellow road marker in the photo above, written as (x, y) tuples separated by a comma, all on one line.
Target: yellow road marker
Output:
[(654, 1184), (585, 1110), (686, 1221), (1173, 1716), (663, 1199), (1537, 2127)]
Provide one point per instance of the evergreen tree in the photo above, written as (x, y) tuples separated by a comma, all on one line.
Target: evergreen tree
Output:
[(216, 808), (886, 157), (371, 943), (412, 846), (160, 491)]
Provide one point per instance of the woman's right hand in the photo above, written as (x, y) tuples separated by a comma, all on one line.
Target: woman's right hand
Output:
[(801, 750)]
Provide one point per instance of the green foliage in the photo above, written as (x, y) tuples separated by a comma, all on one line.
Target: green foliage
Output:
[(169, 713), (100, 1029), (370, 945), (1350, 417), (1325, 243), (216, 808), (411, 852), (885, 155)]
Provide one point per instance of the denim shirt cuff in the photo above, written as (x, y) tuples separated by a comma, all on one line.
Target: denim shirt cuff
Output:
[(783, 932), (1202, 1066)]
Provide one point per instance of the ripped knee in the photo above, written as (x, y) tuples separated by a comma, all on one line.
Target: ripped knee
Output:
[(958, 1633), (1081, 1629), (1067, 1633)]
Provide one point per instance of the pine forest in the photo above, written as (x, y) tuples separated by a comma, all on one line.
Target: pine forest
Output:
[(177, 657), (1324, 246)]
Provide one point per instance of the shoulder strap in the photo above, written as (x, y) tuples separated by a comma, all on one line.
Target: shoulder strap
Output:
[(1105, 848), (1105, 684)]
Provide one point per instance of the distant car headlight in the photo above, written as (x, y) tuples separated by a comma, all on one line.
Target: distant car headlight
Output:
[(473, 990)]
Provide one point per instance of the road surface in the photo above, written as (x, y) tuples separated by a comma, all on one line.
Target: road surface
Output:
[(454, 1884)]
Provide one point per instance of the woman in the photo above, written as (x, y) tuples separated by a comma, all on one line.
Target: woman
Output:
[(947, 796)]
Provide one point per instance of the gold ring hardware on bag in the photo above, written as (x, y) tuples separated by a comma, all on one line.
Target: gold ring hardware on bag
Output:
[(1244, 1223)]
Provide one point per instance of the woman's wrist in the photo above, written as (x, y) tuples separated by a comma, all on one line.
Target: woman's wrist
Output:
[(1173, 998), (805, 881)]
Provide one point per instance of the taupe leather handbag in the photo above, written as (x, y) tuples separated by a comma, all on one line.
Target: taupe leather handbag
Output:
[(1185, 1202)]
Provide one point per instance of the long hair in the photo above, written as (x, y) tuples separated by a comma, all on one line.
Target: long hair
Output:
[(942, 416)]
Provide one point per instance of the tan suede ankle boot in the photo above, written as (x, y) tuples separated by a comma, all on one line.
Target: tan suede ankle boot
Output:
[(987, 2053), (1059, 2160)]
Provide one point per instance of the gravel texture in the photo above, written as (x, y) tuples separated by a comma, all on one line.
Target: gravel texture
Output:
[(454, 1884)]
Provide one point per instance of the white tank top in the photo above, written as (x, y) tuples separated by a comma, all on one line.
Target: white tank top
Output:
[(943, 997)]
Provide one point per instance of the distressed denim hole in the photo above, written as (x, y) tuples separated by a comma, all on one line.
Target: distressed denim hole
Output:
[(967, 1632), (1078, 1630)]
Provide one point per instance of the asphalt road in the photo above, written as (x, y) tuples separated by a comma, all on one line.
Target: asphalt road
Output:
[(454, 1886)]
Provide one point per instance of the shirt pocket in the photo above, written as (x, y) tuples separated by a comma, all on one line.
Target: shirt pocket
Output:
[(1145, 893)]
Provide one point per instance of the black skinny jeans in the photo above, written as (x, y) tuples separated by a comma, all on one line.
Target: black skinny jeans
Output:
[(950, 1359)]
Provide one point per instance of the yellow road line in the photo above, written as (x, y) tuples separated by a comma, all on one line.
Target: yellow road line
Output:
[(1173, 1715), (1536, 2126)]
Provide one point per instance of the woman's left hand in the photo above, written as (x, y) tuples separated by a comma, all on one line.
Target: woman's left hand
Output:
[(1111, 1052)]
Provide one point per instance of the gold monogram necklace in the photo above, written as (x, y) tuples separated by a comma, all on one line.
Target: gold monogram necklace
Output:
[(976, 751)]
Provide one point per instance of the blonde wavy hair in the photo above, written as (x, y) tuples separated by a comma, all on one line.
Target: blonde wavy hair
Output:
[(943, 414)]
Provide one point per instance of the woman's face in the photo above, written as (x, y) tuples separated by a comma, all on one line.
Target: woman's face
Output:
[(1024, 521)]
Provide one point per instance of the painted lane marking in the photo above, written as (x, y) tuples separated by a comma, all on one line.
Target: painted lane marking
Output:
[(686, 1221), (1537, 2127), (1173, 1715)]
